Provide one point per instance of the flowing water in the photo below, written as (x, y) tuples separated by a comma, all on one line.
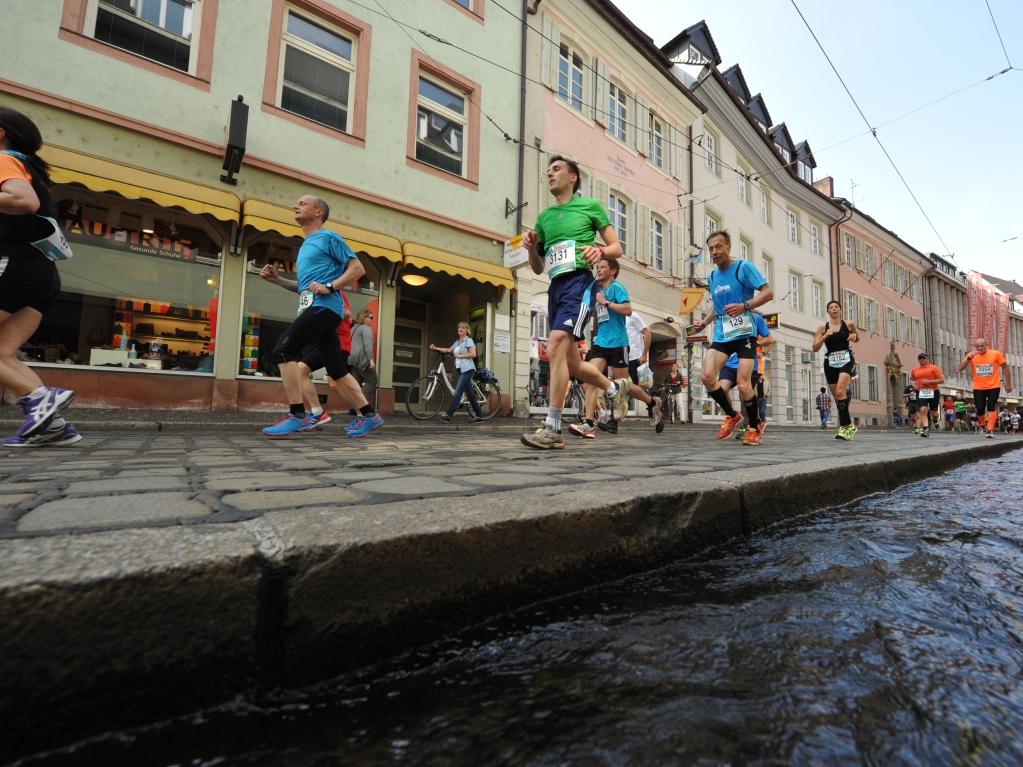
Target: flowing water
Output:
[(888, 632)]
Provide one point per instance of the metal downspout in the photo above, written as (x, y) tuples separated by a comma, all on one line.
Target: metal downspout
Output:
[(522, 111)]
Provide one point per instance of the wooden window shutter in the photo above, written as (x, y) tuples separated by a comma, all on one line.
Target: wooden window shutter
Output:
[(678, 249), (641, 133), (550, 50), (601, 192), (642, 237), (602, 94)]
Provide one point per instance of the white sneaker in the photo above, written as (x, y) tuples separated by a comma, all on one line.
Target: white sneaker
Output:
[(582, 430)]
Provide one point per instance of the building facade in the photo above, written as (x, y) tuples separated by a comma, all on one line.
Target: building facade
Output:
[(948, 328), (393, 129), (608, 101), (880, 280), (751, 179)]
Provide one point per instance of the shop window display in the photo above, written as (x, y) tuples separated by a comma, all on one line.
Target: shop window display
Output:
[(269, 309), (140, 292)]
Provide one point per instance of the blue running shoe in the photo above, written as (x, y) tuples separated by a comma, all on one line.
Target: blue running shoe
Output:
[(288, 425), (51, 436), (39, 411), (369, 423), (354, 424), (315, 421)]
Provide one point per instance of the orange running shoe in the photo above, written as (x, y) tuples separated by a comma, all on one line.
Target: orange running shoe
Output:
[(753, 436), (728, 426)]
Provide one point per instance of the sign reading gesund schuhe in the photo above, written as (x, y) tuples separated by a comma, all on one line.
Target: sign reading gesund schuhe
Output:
[(118, 238)]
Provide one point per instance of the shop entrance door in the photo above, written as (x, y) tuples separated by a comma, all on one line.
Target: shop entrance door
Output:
[(409, 355)]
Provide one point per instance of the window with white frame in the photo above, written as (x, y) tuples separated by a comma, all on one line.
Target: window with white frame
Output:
[(850, 252), (656, 149), (317, 71), (851, 306), (711, 224), (617, 112), (818, 299), (618, 213), (872, 383), (440, 126), (903, 328), (769, 270), (570, 77), (871, 320), (815, 239), (890, 329), (888, 273), (792, 219), (871, 260), (745, 187), (918, 333), (795, 292), (158, 30), (657, 243), (710, 145), (745, 249), (765, 206), (917, 291)]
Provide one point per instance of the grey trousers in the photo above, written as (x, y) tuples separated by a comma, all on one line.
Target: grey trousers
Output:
[(367, 378)]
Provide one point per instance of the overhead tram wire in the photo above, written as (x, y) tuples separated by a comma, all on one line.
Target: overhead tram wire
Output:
[(999, 33), (873, 130)]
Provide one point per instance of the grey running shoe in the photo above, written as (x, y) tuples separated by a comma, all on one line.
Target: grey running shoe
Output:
[(617, 404), (610, 425), (582, 430), (655, 412), (544, 438)]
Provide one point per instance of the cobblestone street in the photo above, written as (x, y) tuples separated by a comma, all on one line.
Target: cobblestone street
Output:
[(132, 479)]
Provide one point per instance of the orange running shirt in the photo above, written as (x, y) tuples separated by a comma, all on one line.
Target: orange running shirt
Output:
[(11, 167), (987, 369), (924, 373)]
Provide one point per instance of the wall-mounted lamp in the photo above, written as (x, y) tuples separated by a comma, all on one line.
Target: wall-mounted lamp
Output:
[(415, 280), (147, 223), (669, 320), (235, 133), (114, 216)]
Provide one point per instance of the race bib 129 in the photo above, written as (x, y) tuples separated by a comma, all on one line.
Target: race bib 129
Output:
[(737, 327)]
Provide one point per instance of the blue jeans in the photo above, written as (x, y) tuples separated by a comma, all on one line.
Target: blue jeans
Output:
[(762, 407), (462, 387), (825, 414)]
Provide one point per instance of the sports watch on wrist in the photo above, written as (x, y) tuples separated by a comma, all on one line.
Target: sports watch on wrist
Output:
[(745, 305)]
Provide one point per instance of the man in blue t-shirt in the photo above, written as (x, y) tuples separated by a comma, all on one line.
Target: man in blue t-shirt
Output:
[(729, 374), (610, 348), (736, 288), (325, 265)]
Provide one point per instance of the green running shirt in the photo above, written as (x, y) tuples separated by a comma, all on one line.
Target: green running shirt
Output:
[(577, 222)]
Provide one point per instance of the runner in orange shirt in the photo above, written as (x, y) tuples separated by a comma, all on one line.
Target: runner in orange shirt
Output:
[(925, 379), (986, 382)]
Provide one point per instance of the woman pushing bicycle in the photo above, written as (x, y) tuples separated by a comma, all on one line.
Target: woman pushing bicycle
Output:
[(464, 352)]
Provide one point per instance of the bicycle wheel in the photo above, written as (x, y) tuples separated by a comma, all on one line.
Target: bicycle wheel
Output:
[(489, 397), (575, 401), (424, 398)]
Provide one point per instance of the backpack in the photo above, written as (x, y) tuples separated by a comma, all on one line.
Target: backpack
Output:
[(484, 375)]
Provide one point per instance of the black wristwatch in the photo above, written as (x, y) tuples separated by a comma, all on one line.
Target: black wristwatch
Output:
[(745, 305), (331, 288)]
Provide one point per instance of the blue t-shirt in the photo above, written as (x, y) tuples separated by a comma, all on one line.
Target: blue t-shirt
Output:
[(323, 257), (463, 347), (762, 332), (735, 285), (611, 330)]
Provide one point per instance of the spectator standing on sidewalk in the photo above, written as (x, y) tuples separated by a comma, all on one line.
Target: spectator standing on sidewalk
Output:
[(675, 382), (464, 352), (363, 363), (824, 406)]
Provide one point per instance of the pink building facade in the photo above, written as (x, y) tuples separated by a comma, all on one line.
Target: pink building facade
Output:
[(879, 279)]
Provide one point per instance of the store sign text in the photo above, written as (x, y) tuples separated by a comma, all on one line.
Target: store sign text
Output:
[(116, 238)]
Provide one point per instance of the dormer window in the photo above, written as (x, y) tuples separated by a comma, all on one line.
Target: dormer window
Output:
[(695, 56), (784, 152)]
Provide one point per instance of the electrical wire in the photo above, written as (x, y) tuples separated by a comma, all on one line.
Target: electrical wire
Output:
[(873, 131), (998, 32)]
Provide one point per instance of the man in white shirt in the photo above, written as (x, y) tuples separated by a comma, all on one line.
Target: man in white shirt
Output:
[(639, 344)]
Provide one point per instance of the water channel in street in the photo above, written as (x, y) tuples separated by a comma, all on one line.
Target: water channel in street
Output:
[(887, 632)]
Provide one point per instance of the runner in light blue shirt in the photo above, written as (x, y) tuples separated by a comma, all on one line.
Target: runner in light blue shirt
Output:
[(736, 289)]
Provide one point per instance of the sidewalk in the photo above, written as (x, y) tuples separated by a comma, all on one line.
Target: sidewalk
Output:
[(144, 573)]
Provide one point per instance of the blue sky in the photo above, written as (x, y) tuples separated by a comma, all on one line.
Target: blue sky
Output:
[(961, 157)]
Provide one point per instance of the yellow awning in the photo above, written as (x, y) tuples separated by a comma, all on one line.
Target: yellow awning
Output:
[(268, 217), (67, 167), (461, 266)]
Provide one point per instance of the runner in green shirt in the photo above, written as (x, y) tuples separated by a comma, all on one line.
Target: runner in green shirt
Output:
[(564, 246), (960, 403)]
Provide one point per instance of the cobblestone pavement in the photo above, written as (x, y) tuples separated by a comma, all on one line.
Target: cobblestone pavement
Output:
[(126, 479)]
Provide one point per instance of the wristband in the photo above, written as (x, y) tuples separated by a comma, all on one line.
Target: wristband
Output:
[(601, 249)]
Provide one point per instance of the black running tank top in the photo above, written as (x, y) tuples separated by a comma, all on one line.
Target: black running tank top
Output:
[(839, 340)]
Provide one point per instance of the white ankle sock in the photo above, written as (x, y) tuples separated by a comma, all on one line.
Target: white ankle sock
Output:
[(317, 411), (57, 423), (39, 391)]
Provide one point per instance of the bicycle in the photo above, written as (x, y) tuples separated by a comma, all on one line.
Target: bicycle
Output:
[(669, 406), (425, 396)]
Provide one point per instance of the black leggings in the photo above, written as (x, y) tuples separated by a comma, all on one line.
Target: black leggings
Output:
[(986, 400), (317, 325)]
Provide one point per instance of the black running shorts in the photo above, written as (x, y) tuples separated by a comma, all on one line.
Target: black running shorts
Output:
[(317, 325), (743, 348), (831, 374), (986, 400), (615, 355), (32, 282)]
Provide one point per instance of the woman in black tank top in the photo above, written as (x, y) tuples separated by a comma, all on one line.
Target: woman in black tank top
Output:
[(835, 335), (29, 281)]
